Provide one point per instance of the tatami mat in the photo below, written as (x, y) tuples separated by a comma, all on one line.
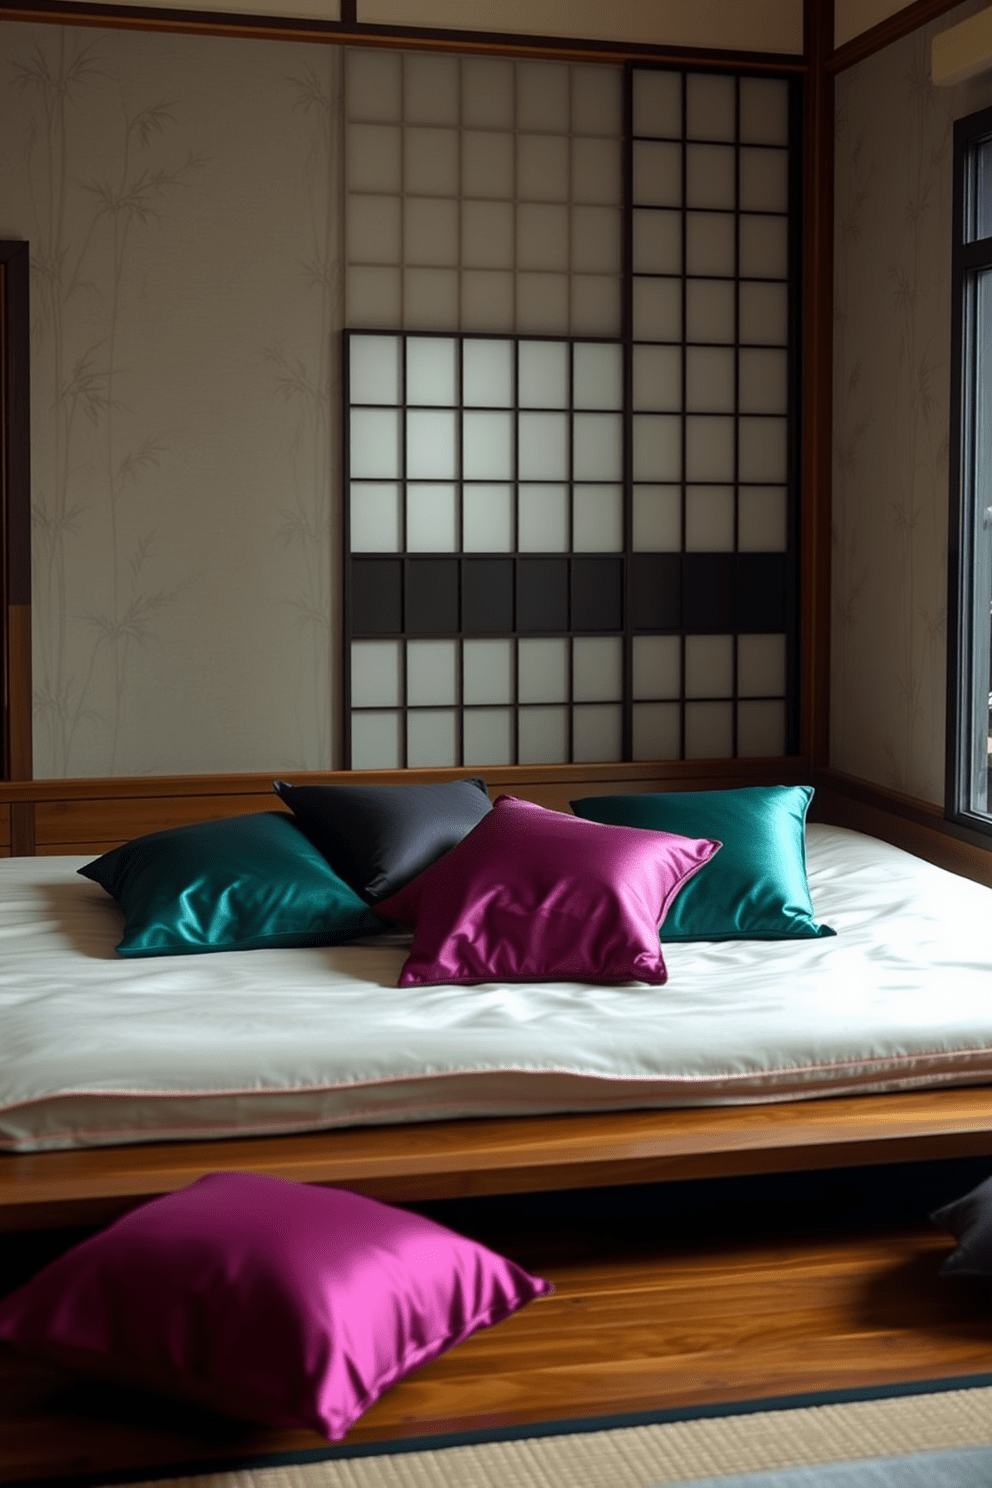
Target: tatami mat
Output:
[(646, 1456)]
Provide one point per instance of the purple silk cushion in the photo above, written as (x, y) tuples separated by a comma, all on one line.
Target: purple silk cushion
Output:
[(532, 895), (269, 1300)]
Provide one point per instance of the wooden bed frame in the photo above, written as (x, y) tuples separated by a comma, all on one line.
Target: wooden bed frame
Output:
[(464, 1159)]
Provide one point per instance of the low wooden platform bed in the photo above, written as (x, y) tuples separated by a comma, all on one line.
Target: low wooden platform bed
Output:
[(651, 1314)]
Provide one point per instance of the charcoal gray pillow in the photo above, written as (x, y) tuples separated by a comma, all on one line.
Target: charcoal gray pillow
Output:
[(969, 1220), (378, 837)]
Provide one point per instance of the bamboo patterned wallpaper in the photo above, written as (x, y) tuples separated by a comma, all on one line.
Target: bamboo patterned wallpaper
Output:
[(891, 413), (180, 199)]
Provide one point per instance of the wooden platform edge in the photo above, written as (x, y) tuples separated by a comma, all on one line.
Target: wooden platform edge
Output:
[(455, 1159)]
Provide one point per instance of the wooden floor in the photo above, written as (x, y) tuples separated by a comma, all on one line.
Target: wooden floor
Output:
[(648, 1314)]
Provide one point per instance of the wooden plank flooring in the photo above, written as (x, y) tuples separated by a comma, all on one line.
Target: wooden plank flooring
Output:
[(646, 1322)]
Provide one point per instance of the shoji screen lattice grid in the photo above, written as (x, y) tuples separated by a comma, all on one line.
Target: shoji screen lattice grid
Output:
[(583, 549)]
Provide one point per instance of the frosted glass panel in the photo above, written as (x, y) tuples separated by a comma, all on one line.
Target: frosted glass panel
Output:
[(657, 667), (374, 158), (657, 174), (542, 303), (374, 230), (761, 666), (657, 443), (709, 310), (430, 299), (597, 376), (596, 100), (487, 300), (711, 106), (765, 247), (487, 446), (543, 446), (709, 666), (656, 730), (709, 379), (487, 735), (431, 370), (488, 239), (487, 519), (597, 446), (375, 517), (542, 167), (542, 671), (709, 730), (657, 377), (658, 103), (764, 382), (487, 671), (764, 181), (595, 305), (487, 164), (763, 446), (657, 519), (710, 176), (430, 231), (542, 522), (596, 733), (709, 449), (760, 730), (597, 669), (374, 369), (657, 309), (764, 111), (762, 525), (598, 519), (709, 519), (430, 162), (432, 739), (431, 672), (376, 741), (657, 242), (709, 243), (487, 373), (543, 374), (543, 735), (375, 674), (764, 314), (431, 445), (542, 237), (542, 96), (432, 518), (374, 84), (375, 443), (374, 296), (487, 92)]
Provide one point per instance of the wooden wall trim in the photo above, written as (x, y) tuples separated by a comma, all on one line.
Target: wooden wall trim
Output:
[(348, 32), (903, 23), (916, 826), (15, 509), (817, 385)]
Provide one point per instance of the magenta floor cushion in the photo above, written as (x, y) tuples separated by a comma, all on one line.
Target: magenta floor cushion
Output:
[(274, 1301)]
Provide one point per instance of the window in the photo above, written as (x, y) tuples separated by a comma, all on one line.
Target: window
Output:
[(970, 590)]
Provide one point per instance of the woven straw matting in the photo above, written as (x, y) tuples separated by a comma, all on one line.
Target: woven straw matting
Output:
[(646, 1456)]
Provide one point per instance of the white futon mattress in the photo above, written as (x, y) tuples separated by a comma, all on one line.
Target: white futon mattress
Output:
[(98, 1050)]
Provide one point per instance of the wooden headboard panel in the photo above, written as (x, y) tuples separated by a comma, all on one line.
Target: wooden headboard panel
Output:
[(90, 816)]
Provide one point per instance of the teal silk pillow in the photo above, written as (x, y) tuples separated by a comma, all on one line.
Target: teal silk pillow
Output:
[(755, 888), (245, 883)]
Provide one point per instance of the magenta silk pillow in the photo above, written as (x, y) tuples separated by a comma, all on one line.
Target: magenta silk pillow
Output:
[(274, 1301), (533, 895)]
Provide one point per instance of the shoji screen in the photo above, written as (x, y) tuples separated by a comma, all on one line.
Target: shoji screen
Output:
[(571, 438)]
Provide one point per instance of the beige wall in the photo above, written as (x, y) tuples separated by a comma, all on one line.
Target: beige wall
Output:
[(891, 413), (180, 197)]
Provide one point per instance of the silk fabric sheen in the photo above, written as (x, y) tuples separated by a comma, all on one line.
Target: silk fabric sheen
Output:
[(244, 883), (532, 894), (274, 1301), (757, 888)]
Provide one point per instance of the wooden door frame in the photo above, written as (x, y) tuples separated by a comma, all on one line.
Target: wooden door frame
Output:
[(15, 511)]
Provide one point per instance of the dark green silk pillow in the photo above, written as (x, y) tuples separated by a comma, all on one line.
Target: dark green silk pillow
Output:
[(245, 883), (755, 888)]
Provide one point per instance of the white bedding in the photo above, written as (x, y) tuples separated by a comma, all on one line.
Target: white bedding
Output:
[(98, 1050)]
